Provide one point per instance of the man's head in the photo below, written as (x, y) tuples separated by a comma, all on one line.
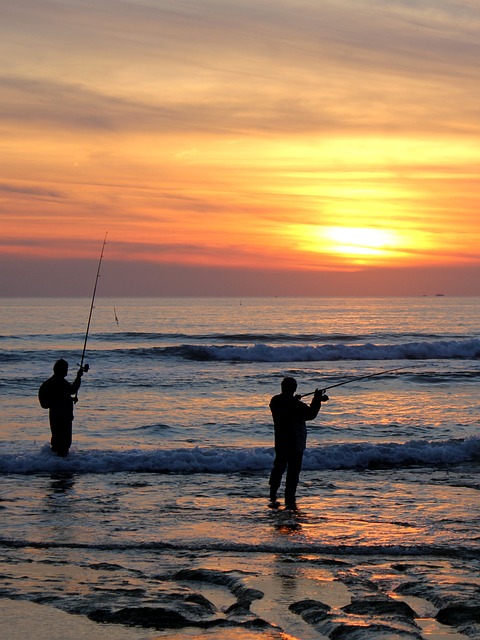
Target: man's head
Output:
[(60, 368), (289, 385)]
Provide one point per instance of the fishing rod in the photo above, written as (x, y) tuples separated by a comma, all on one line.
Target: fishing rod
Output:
[(371, 375), (85, 367)]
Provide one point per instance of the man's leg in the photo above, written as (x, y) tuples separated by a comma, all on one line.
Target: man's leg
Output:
[(279, 466), (293, 474), (61, 436)]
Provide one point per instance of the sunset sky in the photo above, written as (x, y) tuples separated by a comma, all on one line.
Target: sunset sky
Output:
[(242, 147)]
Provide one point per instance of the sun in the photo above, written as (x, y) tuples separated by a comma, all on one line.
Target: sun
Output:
[(359, 241), (352, 245)]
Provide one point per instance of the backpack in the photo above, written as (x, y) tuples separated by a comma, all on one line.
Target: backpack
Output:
[(44, 395)]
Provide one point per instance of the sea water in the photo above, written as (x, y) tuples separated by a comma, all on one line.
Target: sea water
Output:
[(168, 472)]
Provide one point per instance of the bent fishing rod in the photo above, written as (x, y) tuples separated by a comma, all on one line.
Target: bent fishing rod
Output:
[(85, 367), (371, 375)]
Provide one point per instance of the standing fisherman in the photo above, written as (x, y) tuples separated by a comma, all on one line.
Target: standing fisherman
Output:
[(289, 416), (56, 394)]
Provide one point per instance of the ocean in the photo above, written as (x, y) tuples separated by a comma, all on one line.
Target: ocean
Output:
[(157, 524)]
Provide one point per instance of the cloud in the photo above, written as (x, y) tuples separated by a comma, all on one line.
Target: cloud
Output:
[(30, 191), (62, 105), (227, 67)]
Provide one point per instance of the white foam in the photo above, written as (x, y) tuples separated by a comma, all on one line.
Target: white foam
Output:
[(331, 352), (238, 460)]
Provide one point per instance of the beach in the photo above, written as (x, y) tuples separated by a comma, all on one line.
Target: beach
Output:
[(241, 595), (157, 524)]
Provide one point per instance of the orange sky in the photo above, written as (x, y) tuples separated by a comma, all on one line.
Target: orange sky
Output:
[(240, 146)]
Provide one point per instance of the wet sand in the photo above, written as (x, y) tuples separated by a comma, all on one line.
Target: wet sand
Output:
[(20, 619), (246, 596)]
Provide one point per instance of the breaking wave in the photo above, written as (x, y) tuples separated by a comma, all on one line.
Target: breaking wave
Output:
[(270, 351), (261, 352), (240, 460)]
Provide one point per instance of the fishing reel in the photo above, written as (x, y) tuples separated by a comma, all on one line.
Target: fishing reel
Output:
[(322, 394), (84, 367)]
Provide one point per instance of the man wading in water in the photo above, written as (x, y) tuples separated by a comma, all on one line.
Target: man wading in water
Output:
[(289, 416), (56, 394)]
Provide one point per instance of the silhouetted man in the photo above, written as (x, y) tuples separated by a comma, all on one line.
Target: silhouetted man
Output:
[(56, 394), (289, 416)]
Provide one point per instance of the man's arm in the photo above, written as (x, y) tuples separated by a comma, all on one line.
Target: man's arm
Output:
[(75, 386), (311, 412)]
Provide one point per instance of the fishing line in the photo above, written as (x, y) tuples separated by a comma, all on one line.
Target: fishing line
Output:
[(371, 375)]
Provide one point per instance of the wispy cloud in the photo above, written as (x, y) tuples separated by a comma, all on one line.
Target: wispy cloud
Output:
[(30, 191), (244, 67)]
